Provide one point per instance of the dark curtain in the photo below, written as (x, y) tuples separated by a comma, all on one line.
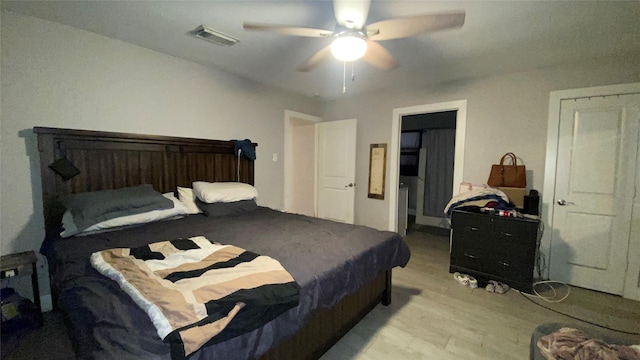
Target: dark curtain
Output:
[(440, 148)]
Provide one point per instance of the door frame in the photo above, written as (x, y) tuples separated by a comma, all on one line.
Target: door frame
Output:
[(289, 175), (394, 152), (548, 189)]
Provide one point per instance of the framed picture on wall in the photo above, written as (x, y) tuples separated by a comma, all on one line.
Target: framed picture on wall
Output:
[(377, 170)]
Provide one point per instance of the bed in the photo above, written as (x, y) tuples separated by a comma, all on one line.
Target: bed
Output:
[(343, 270)]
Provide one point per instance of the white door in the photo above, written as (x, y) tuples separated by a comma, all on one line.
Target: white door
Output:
[(594, 191), (336, 169)]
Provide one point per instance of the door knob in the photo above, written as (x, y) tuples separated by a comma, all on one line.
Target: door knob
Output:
[(350, 185), (563, 202)]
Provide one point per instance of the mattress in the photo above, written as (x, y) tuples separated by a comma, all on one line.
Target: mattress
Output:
[(329, 260)]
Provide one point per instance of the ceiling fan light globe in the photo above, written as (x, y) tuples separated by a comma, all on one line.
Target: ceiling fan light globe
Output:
[(348, 48)]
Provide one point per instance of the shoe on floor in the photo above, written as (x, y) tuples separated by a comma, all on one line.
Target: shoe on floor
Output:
[(497, 287), (463, 279), (502, 288), (491, 286), (473, 283)]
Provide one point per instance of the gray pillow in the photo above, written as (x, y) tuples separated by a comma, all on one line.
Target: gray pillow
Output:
[(90, 208), (218, 209)]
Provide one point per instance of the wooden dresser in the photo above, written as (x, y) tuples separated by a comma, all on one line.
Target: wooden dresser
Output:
[(490, 247)]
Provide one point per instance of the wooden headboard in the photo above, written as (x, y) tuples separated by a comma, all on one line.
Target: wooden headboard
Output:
[(110, 160)]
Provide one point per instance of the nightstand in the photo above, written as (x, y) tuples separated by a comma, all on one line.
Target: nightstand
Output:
[(19, 264)]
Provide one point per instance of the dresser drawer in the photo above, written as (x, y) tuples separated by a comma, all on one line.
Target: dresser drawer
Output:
[(469, 222), (468, 239), (515, 234), (468, 258), (516, 269)]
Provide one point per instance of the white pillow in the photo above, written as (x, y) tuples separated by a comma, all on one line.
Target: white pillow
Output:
[(223, 191), (178, 209), (188, 198)]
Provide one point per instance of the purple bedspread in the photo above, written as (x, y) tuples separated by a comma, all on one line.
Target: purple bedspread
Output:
[(328, 259)]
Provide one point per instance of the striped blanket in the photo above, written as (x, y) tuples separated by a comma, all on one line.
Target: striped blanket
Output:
[(197, 292)]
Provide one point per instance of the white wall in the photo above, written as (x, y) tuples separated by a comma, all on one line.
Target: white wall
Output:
[(57, 76), (303, 144), (504, 113)]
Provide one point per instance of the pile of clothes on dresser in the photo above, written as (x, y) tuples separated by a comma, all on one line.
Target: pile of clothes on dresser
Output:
[(483, 200)]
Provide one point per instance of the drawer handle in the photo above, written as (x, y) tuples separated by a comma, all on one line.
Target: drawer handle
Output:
[(504, 263), (473, 228), (506, 234), (469, 256)]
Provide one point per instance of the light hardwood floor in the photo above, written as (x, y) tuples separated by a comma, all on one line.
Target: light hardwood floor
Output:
[(431, 317)]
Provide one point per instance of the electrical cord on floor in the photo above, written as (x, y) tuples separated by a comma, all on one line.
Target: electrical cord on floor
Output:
[(540, 266), (540, 263), (551, 299)]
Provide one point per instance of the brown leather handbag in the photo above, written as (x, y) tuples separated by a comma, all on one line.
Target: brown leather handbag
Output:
[(513, 175)]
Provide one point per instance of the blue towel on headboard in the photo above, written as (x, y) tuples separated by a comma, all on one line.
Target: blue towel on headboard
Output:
[(247, 149)]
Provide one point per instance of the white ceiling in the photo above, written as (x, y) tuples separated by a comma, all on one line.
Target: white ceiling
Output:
[(497, 37)]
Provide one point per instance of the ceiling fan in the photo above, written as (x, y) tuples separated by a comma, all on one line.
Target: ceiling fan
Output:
[(354, 40)]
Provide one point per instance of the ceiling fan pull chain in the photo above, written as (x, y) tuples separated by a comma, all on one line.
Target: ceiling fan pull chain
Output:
[(344, 77), (353, 72)]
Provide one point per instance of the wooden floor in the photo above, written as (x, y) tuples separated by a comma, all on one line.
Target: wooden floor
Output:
[(431, 317)]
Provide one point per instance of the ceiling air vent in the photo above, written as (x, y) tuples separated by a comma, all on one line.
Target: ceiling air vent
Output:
[(214, 36)]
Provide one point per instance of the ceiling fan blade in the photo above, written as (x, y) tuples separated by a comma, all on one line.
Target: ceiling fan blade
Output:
[(379, 57), (414, 25), (316, 59), (351, 14), (287, 29)]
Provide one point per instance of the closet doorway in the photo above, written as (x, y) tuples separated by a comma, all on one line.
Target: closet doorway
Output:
[(300, 162), (458, 107), (427, 158)]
